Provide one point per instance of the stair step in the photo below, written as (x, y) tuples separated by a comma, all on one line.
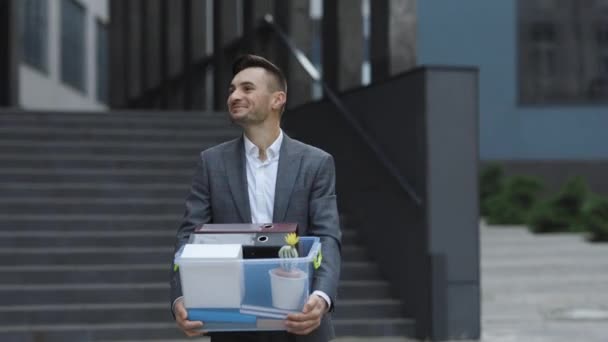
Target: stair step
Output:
[(103, 131), (374, 327), (79, 222), (88, 313), (123, 117), (41, 254), (69, 273), (117, 134), (349, 237), (93, 207), (359, 271), (137, 292), (164, 331), (150, 164), (364, 289), (29, 148), (378, 308), (84, 255), (86, 238), (93, 172), (181, 178), (85, 313), (92, 190), (157, 331), (353, 252), (75, 273), (53, 122)]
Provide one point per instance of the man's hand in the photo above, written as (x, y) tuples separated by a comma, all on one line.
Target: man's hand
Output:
[(190, 328), (310, 318)]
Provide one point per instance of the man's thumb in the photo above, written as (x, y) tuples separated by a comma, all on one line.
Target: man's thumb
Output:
[(181, 312), (307, 307)]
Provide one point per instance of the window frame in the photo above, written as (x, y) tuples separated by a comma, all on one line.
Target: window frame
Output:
[(62, 48)]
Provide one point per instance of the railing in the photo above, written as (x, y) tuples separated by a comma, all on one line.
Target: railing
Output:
[(316, 76)]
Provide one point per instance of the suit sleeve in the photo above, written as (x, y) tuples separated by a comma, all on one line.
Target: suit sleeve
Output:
[(324, 222), (198, 212)]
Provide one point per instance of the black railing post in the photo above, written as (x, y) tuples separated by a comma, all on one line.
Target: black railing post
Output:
[(379, 42), (218, 58), (10, 50)]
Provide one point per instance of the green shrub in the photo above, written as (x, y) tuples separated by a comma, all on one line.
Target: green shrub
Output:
[(545, 218), (490, 184), (513, 203), (595, 218), (569, 201), (500, 210), (563, 212)]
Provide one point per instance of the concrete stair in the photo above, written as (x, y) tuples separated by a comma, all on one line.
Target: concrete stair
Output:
[(90, 205)]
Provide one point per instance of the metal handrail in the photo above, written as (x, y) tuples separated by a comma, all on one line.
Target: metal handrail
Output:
[(312, 71)]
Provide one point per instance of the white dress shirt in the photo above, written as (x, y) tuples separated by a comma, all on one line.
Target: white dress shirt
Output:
[(261, 182)]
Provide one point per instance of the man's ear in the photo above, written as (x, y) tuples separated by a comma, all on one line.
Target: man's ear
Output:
[(278, 100)]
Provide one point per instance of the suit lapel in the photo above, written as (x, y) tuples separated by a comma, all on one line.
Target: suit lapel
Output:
[(234, 162), (287, 172)]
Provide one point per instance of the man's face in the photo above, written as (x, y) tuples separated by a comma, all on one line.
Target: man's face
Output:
[(251, 97)]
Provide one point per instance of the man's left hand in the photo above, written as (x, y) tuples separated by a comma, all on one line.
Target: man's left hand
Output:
[(310, 318)]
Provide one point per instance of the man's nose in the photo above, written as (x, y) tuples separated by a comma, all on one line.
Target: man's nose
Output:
[(235, 95)]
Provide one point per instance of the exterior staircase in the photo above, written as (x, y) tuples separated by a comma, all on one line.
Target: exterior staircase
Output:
[(90, 206)]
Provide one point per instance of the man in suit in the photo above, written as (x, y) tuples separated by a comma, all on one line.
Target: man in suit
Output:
[(265, 176)]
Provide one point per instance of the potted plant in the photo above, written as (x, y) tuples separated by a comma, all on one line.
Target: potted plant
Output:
[(288, 283)]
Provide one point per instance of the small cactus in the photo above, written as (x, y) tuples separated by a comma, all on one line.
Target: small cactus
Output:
[(289, 251)]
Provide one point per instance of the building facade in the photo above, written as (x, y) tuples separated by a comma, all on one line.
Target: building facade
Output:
[(541, 94), (59, 54), (176, 54)]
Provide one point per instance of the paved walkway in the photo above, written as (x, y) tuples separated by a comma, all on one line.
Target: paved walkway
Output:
[(539, 288)]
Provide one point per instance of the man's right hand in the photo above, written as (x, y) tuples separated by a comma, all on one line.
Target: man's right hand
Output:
[(190, 328)]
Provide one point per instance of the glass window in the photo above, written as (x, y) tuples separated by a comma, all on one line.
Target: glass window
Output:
[(102, 62), (73, 44), (562, 51), (34, 32)]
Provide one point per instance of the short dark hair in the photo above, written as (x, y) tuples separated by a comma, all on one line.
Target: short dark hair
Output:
[(254, 61)]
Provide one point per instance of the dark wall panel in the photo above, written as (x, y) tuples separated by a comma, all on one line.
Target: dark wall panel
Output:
[(198, 34), (117, 79), (9, 54), (135, 53), (350, 31), (229, 21), (153, 43), (452, 188), (175, 34), (429, 250)]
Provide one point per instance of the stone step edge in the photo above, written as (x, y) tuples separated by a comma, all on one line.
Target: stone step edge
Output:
[(148, 285), (126, 267), (157, 305), (171, 325)]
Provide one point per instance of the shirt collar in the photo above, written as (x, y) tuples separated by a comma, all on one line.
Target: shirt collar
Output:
[(273, 150)]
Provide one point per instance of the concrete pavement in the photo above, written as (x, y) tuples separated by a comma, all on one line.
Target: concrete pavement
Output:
[(541, 288)]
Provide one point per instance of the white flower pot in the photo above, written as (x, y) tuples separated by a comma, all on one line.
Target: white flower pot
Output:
[(288, 289)]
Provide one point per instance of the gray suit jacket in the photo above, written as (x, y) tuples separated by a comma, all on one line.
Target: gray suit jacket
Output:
[(305, 193)]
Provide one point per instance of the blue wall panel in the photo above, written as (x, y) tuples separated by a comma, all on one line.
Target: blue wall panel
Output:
[(483, 34)]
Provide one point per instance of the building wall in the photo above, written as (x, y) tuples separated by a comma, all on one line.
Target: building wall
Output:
[(484, 34), (45, 90)]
